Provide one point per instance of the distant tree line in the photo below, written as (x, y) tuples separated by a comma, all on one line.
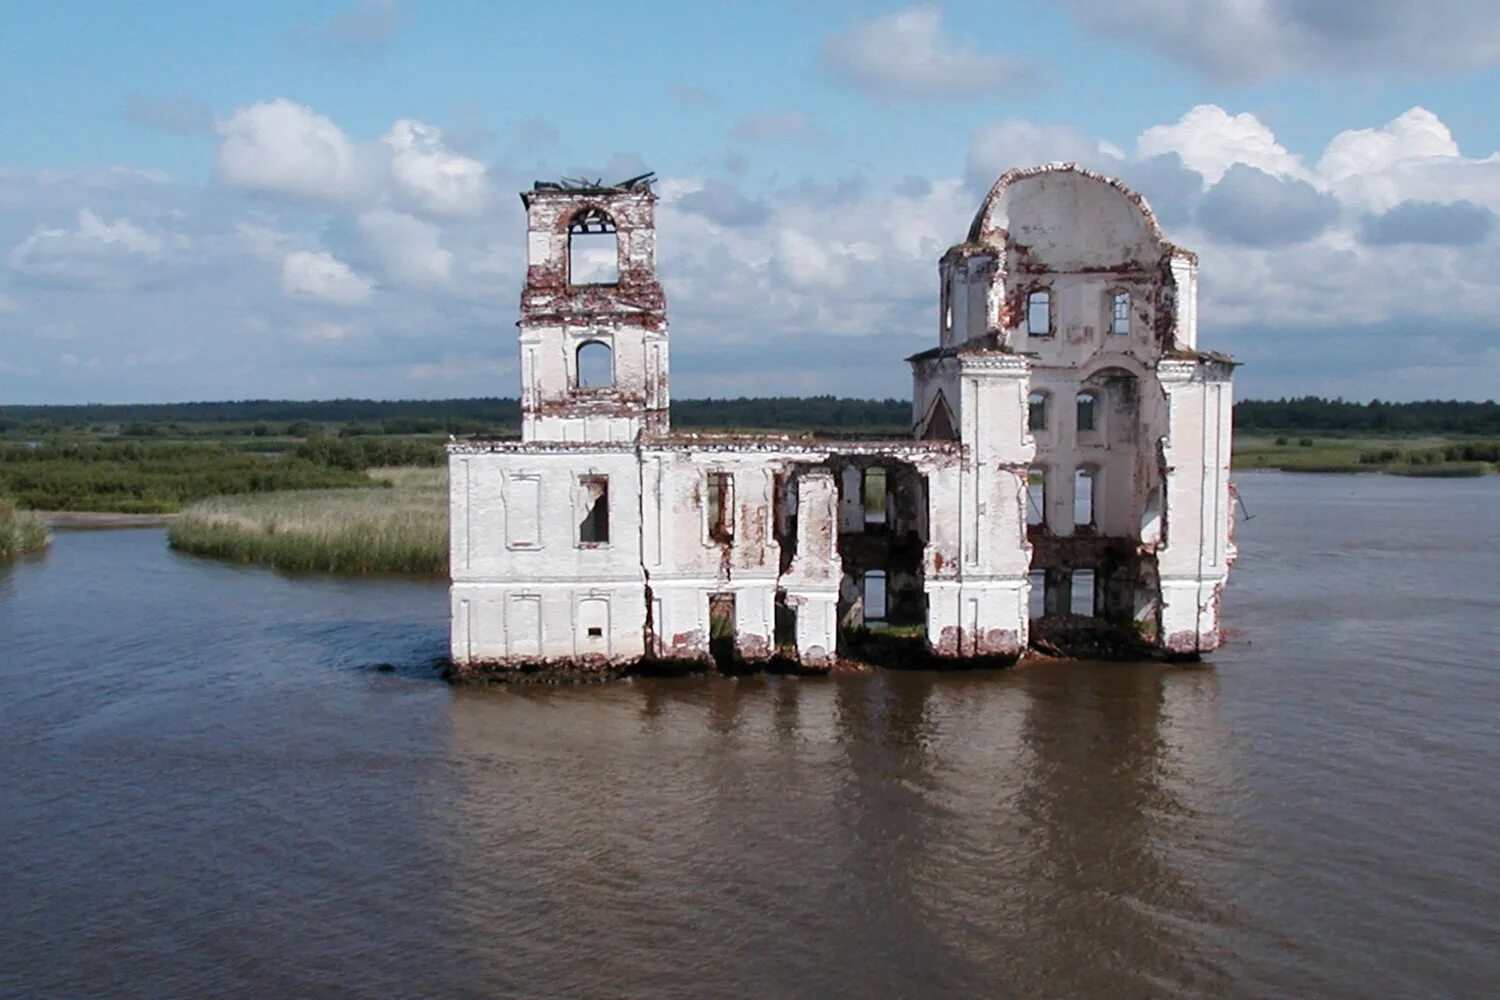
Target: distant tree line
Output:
[(1312, 413), (827, 414)]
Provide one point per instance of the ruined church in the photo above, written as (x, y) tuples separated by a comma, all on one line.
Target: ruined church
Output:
[(1069, 455)]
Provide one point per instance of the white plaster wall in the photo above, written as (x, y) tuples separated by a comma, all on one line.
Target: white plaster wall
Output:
[(1194, 559), (513, 531)]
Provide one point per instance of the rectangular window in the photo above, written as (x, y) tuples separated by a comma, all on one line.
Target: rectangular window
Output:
[(874, 495), (1083, 498), (1039, 314), (720, 506), (1036, 411), (1120, 318), (593, 497), (1036, 498), (1086, 403), (874, 595)]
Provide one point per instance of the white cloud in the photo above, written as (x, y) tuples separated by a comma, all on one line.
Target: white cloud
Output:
[(1416, 134), (997, 147), (431, 176), (410, 251), (263, 241), (319, 276), (94, 254), (1246, 41), (283, 148), (1210, 140), (324, 331), (907, 54)]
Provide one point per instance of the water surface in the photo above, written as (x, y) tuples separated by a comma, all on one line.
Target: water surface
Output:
[(210, 786)]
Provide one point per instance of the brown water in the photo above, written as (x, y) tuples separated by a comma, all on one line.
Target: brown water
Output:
[(207, 788)]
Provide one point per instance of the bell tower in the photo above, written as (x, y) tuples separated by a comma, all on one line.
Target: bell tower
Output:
[(593, 326)]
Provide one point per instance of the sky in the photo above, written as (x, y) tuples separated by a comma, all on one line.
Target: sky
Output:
[(213, 200)]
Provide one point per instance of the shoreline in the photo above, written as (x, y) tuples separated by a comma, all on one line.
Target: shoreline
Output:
[(93, 520)]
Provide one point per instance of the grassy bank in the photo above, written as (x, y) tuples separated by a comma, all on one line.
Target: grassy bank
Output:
[(20, 531), (152, 478), (1409, 456), (400, 528)]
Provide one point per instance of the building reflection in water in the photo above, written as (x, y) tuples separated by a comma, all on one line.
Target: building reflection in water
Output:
[(896, 832)]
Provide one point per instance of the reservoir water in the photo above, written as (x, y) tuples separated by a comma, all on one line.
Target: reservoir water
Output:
[(224, 781)]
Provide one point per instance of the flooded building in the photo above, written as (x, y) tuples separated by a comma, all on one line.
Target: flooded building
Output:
[(1069, 455)]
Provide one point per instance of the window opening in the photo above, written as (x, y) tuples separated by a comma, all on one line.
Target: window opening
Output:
[(1036, 411), (593, 527), (721, 628), (1082, 598), (874, 595), (593, 249), (1087, 404), (1083, 498), (596, 365), (1039, 314), (1036, 498), (874, 495), (720, 509), (1037, 602), (1120, 316)]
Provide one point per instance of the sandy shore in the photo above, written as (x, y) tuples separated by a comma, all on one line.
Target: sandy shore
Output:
[(84, 519)]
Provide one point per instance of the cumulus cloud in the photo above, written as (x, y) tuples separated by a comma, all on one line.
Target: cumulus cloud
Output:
[(722, 203), (320, 277), (1252, 208), (802, 285), (1209, 139), (796, 127), (410, 251), (283, 148), (1255, 40), (907, 54), (95, 254), (1416, 134), (431, 176), (1458, 223), (997, 147)]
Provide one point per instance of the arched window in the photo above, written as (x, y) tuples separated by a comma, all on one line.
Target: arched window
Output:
[(1119, 317), (593, 249), (596, 366), (1036, 411), (1088, 416), (1039, 314)]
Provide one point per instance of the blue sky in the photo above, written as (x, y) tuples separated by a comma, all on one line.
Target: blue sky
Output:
[(212, 200)]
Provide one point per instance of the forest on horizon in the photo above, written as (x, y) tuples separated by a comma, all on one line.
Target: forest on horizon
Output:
[(793, 414)]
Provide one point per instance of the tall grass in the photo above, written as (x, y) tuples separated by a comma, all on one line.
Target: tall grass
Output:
[(20, 531), (401, 529)]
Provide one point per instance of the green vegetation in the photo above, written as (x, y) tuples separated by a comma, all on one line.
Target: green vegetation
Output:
[(1418, 456), (271, 419), (20, 531), (401, 528), (150, 478), (1372, 419)]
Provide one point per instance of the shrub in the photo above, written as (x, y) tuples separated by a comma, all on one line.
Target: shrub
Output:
[(20, 531)]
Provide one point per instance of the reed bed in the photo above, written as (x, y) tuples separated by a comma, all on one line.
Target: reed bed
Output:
[(21, 531), (399, 529)]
